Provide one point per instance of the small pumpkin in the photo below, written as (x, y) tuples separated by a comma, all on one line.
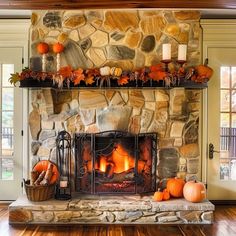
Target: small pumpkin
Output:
[(57, 47), (43, 166), (175, 187), (42, 48), (204, 72), (194, 191), (105, 71), (116, 71), (158, 196), (166, 194)]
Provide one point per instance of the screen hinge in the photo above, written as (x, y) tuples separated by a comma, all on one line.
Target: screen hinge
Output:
[(23, 61), (22, 133)]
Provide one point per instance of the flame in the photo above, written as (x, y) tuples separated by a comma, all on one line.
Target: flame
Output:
[(103, 164), (120, 158)]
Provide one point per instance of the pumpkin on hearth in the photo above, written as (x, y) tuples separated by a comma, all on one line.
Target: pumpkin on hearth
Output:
[(57, 47), (166, 194), (194, 191), (116, 71), (175, 187), (158, 196), (42, 48), (43, 167)]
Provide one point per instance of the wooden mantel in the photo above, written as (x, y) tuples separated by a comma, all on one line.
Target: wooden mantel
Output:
[(108, 4)]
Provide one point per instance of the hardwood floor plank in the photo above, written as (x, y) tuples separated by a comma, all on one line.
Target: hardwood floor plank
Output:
[(163, 230), (193, 230)]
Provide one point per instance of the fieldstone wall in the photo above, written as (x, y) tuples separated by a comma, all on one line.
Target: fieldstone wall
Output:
[(128, 39), (173, 114)]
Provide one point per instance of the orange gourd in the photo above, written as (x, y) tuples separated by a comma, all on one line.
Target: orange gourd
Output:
[(175, 187), (166, 194), (57, 47), (42, 48), (194, 191), (158, 196), (43, 166)]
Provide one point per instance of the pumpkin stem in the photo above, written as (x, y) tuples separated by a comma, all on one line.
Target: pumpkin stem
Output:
[(206, 62)]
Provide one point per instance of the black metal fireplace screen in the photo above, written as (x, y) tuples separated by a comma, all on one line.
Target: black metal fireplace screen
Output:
[(114, 162)]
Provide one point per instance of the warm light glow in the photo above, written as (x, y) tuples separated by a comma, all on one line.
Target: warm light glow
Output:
[(120, 158), (103, 164)]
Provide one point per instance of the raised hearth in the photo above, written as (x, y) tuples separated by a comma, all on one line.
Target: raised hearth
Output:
[(86, 209)]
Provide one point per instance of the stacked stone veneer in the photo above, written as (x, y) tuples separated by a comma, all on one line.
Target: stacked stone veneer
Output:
[(110, 210), (173, 114), (128, 39)]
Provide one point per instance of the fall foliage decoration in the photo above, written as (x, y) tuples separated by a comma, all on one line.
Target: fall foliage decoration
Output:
[(105, 76), (194, 191), (158, 196), (175, 187), (47, 173)]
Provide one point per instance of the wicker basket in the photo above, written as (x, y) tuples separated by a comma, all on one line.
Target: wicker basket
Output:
[(39, 193)]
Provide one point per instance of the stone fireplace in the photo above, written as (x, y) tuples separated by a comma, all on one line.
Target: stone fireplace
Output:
[(171, 114), (115, 130), (115, 162)]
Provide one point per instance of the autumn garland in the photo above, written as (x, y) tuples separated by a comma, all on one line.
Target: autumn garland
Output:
[(103, 76)]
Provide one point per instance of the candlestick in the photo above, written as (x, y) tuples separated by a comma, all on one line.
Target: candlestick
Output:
[(44, 62), (182, 52), (58, 61), (166, 51)]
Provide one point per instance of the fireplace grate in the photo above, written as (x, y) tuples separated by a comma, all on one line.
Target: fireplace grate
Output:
[(115, 162)]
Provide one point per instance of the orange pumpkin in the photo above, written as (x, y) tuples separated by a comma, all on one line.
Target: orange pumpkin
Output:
[(194, 191), (166, 194), (57, 47), (204, 71), (42, 48), (158, 196), (175, 187), (43, 166)]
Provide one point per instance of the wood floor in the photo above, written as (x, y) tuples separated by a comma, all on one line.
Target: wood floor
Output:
[(225, 225)]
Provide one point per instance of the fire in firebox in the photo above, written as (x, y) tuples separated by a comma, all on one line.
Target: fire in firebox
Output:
[(115, 162)]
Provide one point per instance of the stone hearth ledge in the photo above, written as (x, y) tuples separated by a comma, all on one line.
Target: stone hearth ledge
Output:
[(86, 209)]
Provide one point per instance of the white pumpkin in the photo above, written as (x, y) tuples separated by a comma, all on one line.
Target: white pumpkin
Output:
[(104, 71)]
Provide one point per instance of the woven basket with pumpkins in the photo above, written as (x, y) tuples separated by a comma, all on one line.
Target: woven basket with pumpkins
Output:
[(41, 186)]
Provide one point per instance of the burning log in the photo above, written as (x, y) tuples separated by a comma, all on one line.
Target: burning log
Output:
[(109, 173), (118, 177)]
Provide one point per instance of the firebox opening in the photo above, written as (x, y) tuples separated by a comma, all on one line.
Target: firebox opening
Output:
[(115, 162)]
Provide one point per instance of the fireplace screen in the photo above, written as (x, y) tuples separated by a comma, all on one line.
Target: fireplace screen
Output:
[(115, 162)]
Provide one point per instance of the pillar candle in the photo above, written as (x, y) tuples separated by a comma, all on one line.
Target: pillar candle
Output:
[(182, 52), (166, 51), (63, 183)]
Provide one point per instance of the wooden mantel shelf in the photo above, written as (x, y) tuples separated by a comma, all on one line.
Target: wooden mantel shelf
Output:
[(48, 83), (112, 4)]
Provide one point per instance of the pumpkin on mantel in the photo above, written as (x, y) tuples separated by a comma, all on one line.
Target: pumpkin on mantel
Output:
[(57, 47), (194, 191), (42, 48), (175, 187)]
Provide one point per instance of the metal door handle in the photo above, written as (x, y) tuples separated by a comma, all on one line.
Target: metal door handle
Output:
[(211, 151)]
